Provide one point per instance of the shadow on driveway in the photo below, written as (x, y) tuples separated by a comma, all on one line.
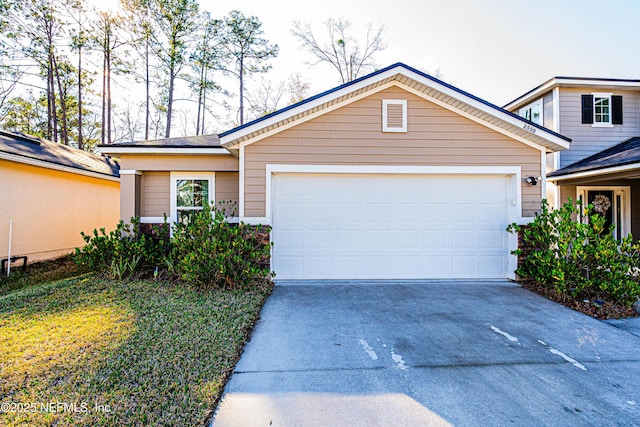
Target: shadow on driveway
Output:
[(430, 353)]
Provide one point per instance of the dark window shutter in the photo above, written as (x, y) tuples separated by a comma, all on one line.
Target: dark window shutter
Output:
[(616, 109), (587, 109)]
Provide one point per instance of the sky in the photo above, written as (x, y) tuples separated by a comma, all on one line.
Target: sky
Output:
[(494, 49)]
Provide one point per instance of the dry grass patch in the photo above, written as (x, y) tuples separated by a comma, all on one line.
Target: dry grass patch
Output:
[(136, 353)]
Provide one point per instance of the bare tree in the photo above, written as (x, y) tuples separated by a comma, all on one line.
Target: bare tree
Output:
[(206, 57), (270, 96), (176, 21), (141, 30), (343, 52), (242, 42), (298, 88), (106, 36)]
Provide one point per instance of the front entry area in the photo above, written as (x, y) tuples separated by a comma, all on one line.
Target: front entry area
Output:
[(390, 226)]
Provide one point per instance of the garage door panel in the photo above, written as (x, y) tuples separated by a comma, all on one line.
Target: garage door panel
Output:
[(436, 266), (379, 266), (389, 226), (436, 239), (410, 264), (492, 239), (463, 239), (490, 265), (463, 266)]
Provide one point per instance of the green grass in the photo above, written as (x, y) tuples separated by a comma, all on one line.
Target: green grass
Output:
[(39, 272), (124, 353)]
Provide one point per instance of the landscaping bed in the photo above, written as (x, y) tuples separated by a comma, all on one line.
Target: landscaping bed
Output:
[(100, 352), (599, 309)]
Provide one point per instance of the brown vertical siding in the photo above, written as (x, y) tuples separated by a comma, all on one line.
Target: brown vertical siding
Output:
[(155, 194), (352, 135)]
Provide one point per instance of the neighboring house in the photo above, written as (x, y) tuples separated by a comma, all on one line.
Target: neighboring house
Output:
[(52, 192), (601, 116), (394, 175)]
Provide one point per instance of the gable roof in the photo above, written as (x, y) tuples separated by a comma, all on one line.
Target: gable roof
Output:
[(561, 81), (624, 156), (412, 80), (201, 144), (22, 148)]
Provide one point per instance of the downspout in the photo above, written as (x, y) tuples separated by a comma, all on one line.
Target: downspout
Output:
[(9, 250)]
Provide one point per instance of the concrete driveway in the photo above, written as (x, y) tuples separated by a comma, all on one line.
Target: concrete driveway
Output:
[(430, 353)]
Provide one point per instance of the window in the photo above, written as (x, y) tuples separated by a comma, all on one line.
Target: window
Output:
[(533, 112), (602, 109), (394, 115), (189, 194)]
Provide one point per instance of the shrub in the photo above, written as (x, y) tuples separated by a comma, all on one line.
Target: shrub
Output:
[(579, 259), (209, 251), (206, 251), (124, 251)]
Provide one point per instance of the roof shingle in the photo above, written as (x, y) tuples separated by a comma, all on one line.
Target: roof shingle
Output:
[(27, 146), (625, 153)]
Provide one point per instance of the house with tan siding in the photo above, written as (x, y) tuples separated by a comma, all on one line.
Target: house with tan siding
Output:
[(601, 116), (394, 175), (49, 193)]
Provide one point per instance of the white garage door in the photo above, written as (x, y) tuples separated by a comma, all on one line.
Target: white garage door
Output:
[(334, 226)]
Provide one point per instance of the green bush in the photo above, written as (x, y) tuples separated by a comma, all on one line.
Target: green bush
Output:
[(124, 251), (578, 259), (206, 251), (209, 251)]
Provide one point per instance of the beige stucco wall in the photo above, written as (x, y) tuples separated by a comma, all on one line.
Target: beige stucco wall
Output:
[(50, 208), (352, 135)]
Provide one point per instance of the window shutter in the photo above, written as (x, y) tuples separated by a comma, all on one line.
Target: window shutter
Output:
[(587, 109), (616, 109)]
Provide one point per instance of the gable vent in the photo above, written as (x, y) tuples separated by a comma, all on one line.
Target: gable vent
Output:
[(394, 115)]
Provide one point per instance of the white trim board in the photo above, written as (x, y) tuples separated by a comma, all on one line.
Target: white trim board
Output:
[(603, 172), (164, 150)]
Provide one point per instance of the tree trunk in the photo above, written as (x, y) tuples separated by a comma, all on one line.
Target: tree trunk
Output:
[(200, 91), (204, 101), (52, 96), (109, 95), (63, 106), (148, 95), (241, 91), (104, 99), (49, 106), (80, 143)]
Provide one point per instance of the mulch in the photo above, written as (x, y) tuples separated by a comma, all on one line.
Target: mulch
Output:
[(597, 308)]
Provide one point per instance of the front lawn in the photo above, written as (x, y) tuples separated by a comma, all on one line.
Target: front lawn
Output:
[(90, 351)]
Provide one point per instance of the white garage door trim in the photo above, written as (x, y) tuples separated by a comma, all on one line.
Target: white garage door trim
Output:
[(513, 172)]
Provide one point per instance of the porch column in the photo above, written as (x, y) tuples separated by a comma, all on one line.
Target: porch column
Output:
[(129, 194)]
